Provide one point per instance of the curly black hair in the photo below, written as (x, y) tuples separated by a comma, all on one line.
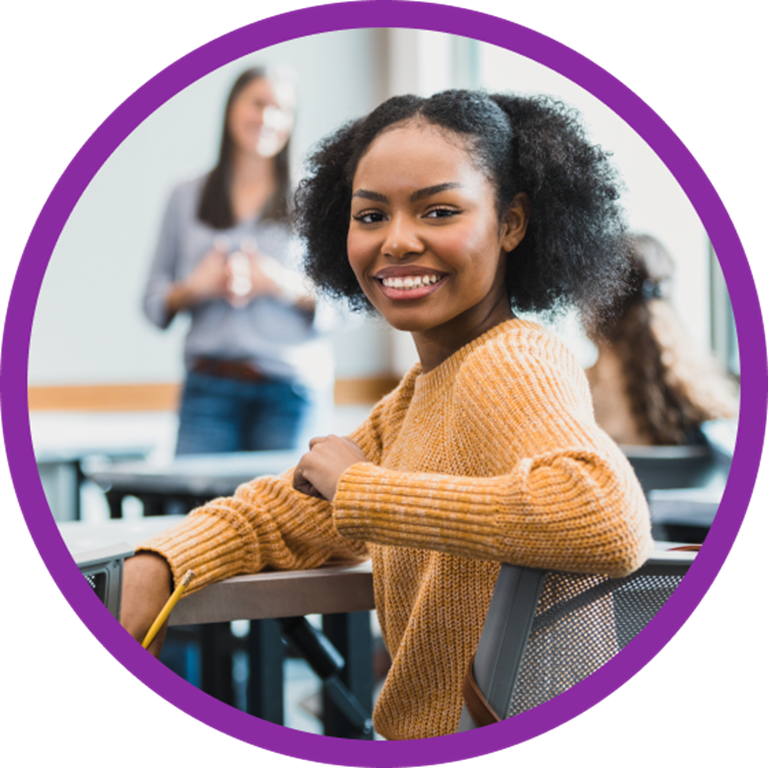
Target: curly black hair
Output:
[(575, 251)]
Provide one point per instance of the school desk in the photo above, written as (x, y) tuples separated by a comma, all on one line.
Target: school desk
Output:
[(684, 514), (342, 593)]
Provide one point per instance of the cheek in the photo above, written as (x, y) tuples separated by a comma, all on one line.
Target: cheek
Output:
[(357, 252), (468, 248), (361, 258)]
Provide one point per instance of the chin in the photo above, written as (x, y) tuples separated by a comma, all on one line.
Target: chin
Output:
[(409, 324)]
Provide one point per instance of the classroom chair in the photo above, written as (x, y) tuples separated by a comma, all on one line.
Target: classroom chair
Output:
[(545, 631)]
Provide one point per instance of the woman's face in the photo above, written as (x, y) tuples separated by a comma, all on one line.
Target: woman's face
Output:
[(261, 117), (425, 240)]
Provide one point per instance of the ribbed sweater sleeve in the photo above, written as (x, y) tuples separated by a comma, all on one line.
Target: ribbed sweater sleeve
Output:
[(549, 491), (266, 524)]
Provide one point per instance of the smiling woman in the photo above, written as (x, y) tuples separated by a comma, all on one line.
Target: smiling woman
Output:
[(484, 205)]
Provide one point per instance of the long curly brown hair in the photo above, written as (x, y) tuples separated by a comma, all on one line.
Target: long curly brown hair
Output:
[(671, 389)]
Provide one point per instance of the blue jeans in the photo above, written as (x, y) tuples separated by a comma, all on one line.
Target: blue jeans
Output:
[(220, 415)]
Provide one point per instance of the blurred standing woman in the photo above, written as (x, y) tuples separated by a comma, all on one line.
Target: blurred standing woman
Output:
[(254, 354)]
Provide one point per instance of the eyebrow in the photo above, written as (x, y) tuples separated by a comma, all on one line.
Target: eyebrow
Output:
[(419, 194)]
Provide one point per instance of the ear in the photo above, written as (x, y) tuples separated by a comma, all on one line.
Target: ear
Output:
[(515, 222)]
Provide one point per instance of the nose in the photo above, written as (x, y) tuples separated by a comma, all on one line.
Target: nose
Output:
[(401, 239)]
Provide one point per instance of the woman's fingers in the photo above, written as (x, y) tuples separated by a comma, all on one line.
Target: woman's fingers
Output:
[(147, 585), (302, 485), (318, 472)]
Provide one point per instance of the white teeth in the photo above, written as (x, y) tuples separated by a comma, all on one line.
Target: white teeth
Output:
[(408, 283)]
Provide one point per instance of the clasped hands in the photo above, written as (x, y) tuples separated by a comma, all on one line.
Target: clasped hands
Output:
[(237, 277), (319, 471)]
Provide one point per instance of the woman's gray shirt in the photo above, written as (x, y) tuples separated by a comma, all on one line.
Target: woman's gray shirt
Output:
[(281, 340)]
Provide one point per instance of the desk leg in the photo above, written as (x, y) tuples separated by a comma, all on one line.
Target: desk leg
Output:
[(266, 653), (115, 502), (79, 480), (154, 505), (216, 661), (350, 633)]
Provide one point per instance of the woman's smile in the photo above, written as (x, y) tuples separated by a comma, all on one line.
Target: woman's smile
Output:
[(409, 283)]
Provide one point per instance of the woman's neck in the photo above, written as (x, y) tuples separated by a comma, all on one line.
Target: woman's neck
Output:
[(436, 345)]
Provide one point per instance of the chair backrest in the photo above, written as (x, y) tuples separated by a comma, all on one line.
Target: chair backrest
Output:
[(546, 630)]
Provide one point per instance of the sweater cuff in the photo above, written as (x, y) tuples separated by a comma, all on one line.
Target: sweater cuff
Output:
[(204, 543), (420, 510)]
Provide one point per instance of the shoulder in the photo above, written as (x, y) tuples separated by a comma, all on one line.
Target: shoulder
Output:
[(522, 359), (521, 347), (391, 409), (386, 418)]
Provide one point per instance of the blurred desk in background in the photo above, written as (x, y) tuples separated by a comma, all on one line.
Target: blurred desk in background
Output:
[(684, 483), (675, 466), (65, 441), (184, 482), (684, 514)]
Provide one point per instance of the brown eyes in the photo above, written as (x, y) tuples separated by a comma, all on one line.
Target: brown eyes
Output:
[(374, 217), (369, 218)]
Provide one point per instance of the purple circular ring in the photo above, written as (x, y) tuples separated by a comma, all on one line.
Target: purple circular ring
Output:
[(328, 18)]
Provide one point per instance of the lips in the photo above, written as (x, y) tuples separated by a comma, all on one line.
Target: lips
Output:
[(406, 271)]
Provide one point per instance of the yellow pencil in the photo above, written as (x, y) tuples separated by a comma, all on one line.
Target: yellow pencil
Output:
[(167, 608)]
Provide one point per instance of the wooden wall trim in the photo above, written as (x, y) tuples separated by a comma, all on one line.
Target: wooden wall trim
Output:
[(164, 397), (104, 397)]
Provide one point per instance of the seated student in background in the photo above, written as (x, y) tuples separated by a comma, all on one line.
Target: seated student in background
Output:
[(649, 385), (447, 215), (255, 354)]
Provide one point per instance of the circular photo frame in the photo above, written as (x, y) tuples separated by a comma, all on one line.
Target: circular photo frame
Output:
[(314, 21)]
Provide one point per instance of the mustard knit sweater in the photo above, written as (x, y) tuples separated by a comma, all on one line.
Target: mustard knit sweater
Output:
[(492, 456)]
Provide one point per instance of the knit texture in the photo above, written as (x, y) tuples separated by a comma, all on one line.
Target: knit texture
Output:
[(494, 456)]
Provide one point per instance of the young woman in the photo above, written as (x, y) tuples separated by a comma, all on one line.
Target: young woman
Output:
[(254, 354), (446, 215), (649, 385)]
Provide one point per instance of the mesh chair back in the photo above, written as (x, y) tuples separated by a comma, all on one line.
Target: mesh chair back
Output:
[(546, 631)]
